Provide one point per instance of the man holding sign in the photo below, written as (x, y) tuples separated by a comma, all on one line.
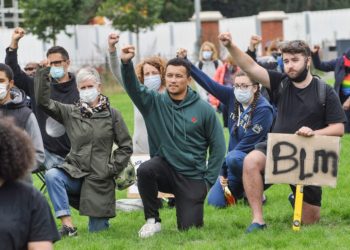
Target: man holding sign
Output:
[(301, 111)]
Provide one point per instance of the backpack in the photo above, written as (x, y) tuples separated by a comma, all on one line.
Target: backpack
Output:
[(216, 64), (321, 88), (127, 176)]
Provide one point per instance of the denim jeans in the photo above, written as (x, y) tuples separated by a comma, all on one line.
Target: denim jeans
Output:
[(234, 163), (59, 186), (52, 160)]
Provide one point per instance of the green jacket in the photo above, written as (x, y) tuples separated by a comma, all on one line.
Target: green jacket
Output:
[(91, 146), (180, 133)]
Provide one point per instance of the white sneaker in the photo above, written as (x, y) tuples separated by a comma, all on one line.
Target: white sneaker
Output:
[(150, 228)]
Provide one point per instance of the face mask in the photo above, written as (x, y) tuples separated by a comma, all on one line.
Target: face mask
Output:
[(152, 82), (88, 95), (3, 90), (302, 76), (275, 54), (57, 72), (207, 55), (243, 96)]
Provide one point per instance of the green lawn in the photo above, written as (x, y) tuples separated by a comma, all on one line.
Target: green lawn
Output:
[(224, 228)]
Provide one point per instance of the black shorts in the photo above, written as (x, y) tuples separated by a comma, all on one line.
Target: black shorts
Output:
[(312, 194)]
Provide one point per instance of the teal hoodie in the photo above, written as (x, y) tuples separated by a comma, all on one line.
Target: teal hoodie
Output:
[(179, 133)]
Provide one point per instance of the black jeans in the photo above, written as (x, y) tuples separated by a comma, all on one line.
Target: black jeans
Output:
[(157, 175)]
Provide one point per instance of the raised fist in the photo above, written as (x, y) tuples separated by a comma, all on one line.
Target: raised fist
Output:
[(181, 53), (128, 52), (315, 49), (17, 34), (113, 39), (226, 39)]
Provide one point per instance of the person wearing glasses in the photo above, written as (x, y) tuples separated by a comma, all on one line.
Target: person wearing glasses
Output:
[(63, 89), (250, 118), (298, 113)]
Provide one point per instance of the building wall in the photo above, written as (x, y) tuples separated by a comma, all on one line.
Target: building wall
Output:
[(88, 44)]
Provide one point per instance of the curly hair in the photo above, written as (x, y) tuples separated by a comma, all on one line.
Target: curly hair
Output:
[(155, 61), (253, 105), (16, 150)]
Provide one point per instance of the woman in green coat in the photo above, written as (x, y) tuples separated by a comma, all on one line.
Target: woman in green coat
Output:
[(87, 175)]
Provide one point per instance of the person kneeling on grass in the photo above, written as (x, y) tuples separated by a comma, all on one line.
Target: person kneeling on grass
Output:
[(26, 219), (249, 118), (295, 94), (181, 129), (86, 178)]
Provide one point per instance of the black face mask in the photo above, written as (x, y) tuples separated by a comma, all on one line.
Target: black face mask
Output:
[(275, 54), (302, 76)]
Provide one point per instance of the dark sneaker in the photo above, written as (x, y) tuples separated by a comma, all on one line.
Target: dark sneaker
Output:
[(255, 227), (171, 202), (68, 231), (291, 199)]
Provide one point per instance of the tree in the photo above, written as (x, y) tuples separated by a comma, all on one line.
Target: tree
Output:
[(132, 15), (47, 18), (87, 10), (177, 10)]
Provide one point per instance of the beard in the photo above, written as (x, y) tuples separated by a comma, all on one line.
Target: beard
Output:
[(301, 75)]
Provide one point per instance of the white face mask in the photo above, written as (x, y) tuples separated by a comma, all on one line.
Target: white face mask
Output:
[(152, 82), (207, 54), (3, 90), (88, 95), (243, 96)]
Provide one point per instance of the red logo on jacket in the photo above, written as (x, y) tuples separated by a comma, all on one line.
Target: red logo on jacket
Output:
[(194, 119)]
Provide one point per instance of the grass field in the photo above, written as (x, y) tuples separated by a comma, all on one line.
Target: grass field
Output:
[(225, 228)]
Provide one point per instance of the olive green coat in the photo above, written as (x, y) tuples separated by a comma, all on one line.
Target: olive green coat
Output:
[(91, 146)]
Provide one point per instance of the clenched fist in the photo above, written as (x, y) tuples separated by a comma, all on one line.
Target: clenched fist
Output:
[(128, 52), (17, 34), (226, 39), (113, 39)]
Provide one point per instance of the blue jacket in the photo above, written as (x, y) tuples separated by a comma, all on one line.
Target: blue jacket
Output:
[(245, 139), (336, 65)]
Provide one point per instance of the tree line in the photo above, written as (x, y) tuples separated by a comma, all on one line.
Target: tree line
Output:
[(46, 18)]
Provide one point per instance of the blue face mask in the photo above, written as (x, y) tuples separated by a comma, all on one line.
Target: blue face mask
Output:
[(57, 72), (152, 82), (243, 96), (207, 55)]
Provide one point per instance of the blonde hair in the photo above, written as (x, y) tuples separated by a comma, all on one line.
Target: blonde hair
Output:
[(212, 48), (155, 61)]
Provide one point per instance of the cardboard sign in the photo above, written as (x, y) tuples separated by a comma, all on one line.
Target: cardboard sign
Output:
[(133, 191), (302, 160)]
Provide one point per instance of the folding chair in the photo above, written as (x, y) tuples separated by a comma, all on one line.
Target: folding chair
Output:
[(40, 173)]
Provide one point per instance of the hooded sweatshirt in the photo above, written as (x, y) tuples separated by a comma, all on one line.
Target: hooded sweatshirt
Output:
[(25, 119), (245, 139), (180, 133), (53, 133)]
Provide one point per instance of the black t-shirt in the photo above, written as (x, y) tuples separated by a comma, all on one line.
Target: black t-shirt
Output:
[(25, 216), (302, 107)]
